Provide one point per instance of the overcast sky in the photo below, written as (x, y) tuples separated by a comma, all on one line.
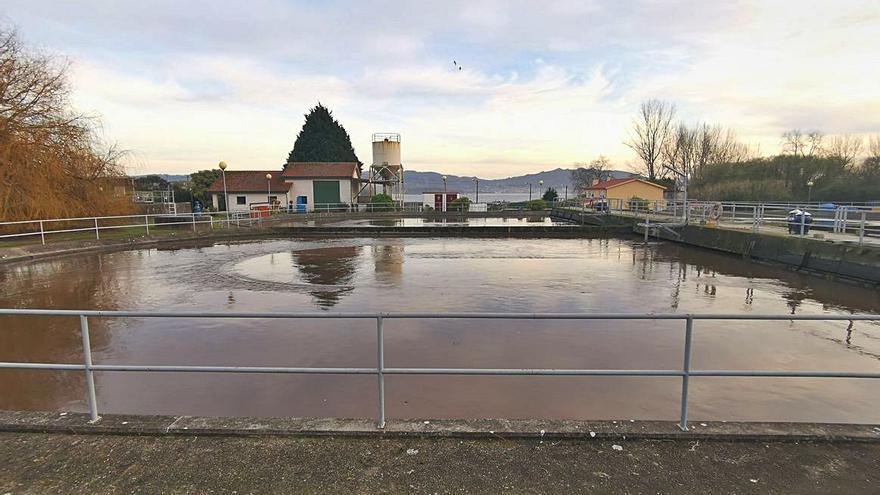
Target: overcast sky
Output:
[(184, 84)]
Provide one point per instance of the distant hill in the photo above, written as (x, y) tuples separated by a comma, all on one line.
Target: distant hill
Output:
[(418, 182)]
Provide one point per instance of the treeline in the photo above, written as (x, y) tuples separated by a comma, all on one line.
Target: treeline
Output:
[(720, 167), (52, 160), (813, 166), (789, 178)]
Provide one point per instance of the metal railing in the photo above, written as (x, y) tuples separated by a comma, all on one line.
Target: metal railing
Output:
[(380, 370), (148, 222), (860, 221)]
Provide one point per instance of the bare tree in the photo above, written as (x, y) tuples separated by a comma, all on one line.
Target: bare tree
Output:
[(585, 174), (874, 146), (845, 147), (794, 142), (679, 149), (814, 143), (649, 133)]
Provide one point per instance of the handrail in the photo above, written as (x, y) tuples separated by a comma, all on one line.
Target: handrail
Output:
[(858, 221), (380, 370)]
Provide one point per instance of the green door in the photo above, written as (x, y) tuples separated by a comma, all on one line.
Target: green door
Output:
[(326, 194)]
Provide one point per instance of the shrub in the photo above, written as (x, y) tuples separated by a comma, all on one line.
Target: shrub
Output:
[(460, 204), (536, 205), (382, 202)]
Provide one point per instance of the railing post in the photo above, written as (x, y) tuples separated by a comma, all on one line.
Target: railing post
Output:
[(380, 367), (686, 369), (147, 223), (97, 235), (90, 376), (43, 233), (803, 219), (194, 220), (862, 229)]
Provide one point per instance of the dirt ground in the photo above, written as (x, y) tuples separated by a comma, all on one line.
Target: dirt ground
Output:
[(109, 464)]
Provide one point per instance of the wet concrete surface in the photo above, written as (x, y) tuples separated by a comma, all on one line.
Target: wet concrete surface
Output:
[(118, 464)]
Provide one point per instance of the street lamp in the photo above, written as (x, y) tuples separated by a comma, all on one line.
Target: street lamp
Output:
[(443, 204), (810, 185), (269, 190), (541, 187), (225, 195), (477, 182), (530, 191)]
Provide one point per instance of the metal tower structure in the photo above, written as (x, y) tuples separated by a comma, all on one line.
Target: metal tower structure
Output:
[(386, 172)]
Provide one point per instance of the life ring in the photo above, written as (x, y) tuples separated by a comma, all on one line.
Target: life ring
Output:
[(715, 211)]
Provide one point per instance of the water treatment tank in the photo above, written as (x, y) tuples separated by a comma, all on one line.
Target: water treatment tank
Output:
[(386, 149)]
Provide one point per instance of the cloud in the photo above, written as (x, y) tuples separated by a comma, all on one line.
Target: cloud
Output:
[(543, 85)]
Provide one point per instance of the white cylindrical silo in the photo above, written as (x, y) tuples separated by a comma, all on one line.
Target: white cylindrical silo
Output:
[(386, 149)]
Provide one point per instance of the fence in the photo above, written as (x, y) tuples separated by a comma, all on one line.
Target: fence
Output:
[(380, 370), (859, 220)]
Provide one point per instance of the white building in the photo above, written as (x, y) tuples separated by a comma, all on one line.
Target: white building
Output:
[(438, 201), (247, 188), (322, 185)]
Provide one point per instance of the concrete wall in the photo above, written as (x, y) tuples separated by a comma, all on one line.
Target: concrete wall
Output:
[(304, 187), (250, 198), (814, 255), (640, 189)]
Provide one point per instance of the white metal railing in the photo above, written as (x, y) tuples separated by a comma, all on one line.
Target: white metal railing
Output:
[(45, 229), (147, 222), (857, 221), (380, 370), (860, 221)]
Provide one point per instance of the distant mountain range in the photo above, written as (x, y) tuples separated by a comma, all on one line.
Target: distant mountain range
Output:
[(419, 182)]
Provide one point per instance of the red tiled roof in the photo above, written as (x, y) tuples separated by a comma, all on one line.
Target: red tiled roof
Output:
[(308, 170), (608, 184), (253, 181)]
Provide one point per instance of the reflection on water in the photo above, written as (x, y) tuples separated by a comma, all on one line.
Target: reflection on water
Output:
[(328, 270), (462, 275)]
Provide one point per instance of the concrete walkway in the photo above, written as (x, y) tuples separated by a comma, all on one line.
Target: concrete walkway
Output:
[(38, 463)]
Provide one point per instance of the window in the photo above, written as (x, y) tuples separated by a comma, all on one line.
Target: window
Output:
[(241, 200)]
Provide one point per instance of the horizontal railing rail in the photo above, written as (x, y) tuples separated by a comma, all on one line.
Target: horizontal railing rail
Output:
[(381, 370), (857, 221)]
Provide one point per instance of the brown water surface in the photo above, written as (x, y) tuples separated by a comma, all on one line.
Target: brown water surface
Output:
[(439, 275)]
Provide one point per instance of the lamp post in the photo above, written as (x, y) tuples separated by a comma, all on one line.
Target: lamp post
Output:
[(477, 182), (530, 191), (269, 190), (222, 166), (810, 185), (541, 187), (443, 203)]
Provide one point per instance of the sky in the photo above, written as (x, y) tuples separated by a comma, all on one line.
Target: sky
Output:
[(183, 85)]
